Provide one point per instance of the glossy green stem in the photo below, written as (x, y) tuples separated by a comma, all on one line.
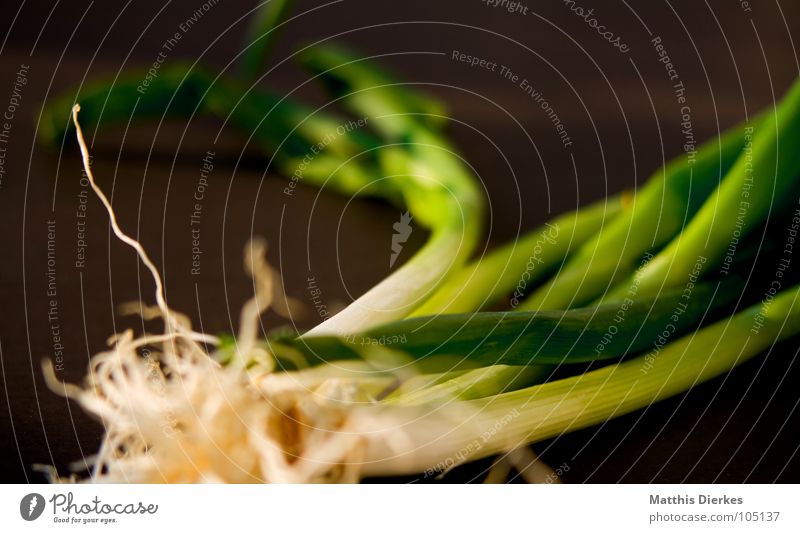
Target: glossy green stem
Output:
[(514, 268), (658, 212)]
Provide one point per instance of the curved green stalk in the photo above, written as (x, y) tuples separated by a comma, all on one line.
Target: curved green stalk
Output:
[(308, 145), (370, 91), (763, 179), (439, 190), (422, 172), (658, 213), (177, 91), (515, 267)]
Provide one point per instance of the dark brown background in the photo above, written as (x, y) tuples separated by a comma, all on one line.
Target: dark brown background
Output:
[(618, 108)]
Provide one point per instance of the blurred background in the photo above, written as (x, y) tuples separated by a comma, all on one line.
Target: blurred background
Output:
[(617, 103)]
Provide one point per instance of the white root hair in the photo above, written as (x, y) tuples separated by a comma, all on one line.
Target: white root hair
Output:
[(176, 415)]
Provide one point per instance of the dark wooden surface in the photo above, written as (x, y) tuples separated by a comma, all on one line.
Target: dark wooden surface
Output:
[(620, 112)]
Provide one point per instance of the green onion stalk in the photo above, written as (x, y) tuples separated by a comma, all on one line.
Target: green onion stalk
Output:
[(658, 213), (409, 442), (598, 333), (438, 188), (759, 185), (519, 264)]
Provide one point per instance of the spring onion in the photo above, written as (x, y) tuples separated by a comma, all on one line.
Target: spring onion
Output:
[(673, 193), (409, 378), (761, 180)]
